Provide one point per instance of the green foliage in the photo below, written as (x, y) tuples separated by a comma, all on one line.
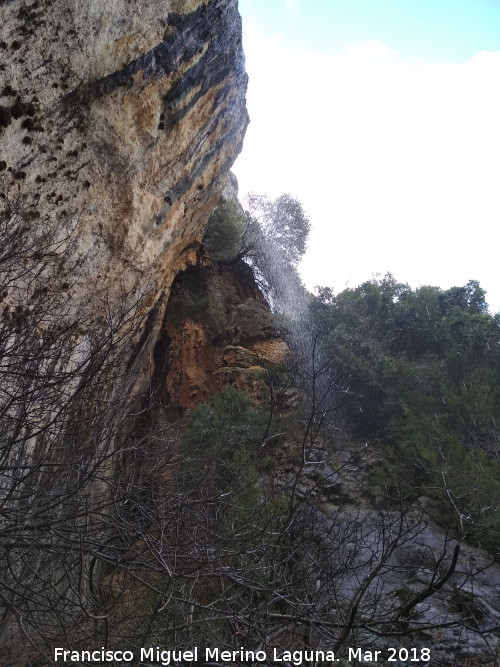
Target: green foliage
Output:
[(194, 301), (224, 231), (271, 236), (275, 241), (283, 222), (230, 421), (424, 369), (223, 439)]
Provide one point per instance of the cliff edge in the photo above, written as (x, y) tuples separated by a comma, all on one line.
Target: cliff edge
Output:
[(119, 122)]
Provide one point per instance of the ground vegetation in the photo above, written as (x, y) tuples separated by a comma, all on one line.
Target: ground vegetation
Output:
[(293, 524)]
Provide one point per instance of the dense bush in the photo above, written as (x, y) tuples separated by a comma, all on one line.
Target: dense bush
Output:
[(226, 435), (424, 379), (193, 300), (271, 237), (224, 231)]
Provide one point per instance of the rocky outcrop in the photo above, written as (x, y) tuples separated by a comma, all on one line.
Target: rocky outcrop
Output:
[(218, 332), (119, 122)]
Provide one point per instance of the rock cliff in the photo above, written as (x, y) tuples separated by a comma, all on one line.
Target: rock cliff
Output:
[(218, 332), (119, 121)]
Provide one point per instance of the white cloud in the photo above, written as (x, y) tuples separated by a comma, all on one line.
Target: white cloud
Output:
[(367, 52), (398, 165)]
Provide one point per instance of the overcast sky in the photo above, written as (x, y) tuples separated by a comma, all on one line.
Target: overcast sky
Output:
[(383, 118)]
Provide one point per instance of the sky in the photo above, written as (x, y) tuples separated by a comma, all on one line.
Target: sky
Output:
[(383, 118)]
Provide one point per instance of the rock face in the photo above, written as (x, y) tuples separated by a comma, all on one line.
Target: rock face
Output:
[(119, 121), (218, 332)]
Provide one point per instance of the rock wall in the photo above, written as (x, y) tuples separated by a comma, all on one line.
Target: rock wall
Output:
[(119, 121), (218, 332)]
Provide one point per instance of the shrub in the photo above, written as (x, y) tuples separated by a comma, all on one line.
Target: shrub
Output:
[(224, 232)]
